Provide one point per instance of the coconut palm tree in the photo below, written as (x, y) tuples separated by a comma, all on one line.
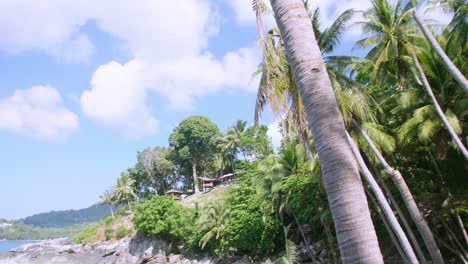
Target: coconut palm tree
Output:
[(124, 190), (234, 135), (355, 231), (213, 223), (108, 198), (393, 35), (450, 66), (400, 234)]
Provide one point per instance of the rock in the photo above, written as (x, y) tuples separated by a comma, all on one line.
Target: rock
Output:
[(158, 259), (110, 253)]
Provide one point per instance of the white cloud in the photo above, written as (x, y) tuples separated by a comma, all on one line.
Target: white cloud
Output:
[(118, 94), (274, 134), (245, 14), (118, 99), (166, 44), (45, 26), (185, 78), (37, 112)]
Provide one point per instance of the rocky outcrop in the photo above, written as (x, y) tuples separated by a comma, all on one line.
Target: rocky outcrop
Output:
[(139, 249)]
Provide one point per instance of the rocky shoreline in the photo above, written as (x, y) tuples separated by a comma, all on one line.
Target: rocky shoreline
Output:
[(139, 249)]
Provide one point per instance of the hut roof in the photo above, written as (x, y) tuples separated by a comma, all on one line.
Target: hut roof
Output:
[(227, 175), (174, 191), (208, 179)]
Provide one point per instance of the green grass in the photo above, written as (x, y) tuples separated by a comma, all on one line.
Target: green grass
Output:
[(105, 227), (204, 199)]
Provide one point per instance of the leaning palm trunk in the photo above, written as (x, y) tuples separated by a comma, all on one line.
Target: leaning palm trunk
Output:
[(112, 211), (354, 228), (408, 199), (306, 243), (388, 227), (129, 207), (462, 227), (383, 203), (452, 69), (405, 222), (437, 107)]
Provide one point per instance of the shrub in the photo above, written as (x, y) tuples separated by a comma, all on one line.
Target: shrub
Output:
[(248, 230), (122, 232), (162, 216), (108, 233), (88, 235), (107, 220)]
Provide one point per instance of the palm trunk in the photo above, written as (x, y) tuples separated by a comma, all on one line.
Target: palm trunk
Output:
[(306, 243), (437, 107), (388, 227), (353, 224), (307, 149), (129, 207), (383, 203), (408, 199), (452, 69), (112, 211), (195, 178), (405, 222), (462, 227)]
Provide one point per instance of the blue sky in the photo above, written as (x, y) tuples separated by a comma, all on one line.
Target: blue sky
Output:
[(85, 84)]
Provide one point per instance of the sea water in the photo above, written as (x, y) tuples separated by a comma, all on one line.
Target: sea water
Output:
[(6, 245)]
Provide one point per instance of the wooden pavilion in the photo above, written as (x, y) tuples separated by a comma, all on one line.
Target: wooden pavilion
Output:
[(208, 183), (175, 193)]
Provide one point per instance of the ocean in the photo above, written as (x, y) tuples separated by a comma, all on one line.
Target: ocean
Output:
[(6, 245)]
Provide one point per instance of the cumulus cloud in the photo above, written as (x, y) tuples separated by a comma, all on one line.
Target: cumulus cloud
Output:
[(274, 133), (166, 45), (48, 26), (245, 14), (37, 112), (169, 59), (118, 99)]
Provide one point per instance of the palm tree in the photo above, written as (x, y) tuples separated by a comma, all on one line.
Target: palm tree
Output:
[(213, 224), (393, 36), (124, 190), (277, 86), (355, 230), (454, 71), (387, 210), (437, 107), (424, 123), (409, 201), (108, 198), (234, 135)]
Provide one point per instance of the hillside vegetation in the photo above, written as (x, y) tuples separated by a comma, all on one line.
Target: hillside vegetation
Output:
[(20, 231), (107, 229), (88, 215)]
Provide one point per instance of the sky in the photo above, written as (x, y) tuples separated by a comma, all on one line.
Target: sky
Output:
[(85, 84)]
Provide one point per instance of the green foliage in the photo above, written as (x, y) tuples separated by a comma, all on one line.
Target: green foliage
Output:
[(254, 142), (124, 191), (87, 235), (194, 138), (248, 230), (65, 218), (20, 231), (160, 215), (122, 231), (108, 233)]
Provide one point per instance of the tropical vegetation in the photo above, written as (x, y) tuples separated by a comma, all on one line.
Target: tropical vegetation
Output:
[(395, 117)]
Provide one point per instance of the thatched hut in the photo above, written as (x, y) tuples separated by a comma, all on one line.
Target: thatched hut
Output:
[(174, 193), (208, 183)]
